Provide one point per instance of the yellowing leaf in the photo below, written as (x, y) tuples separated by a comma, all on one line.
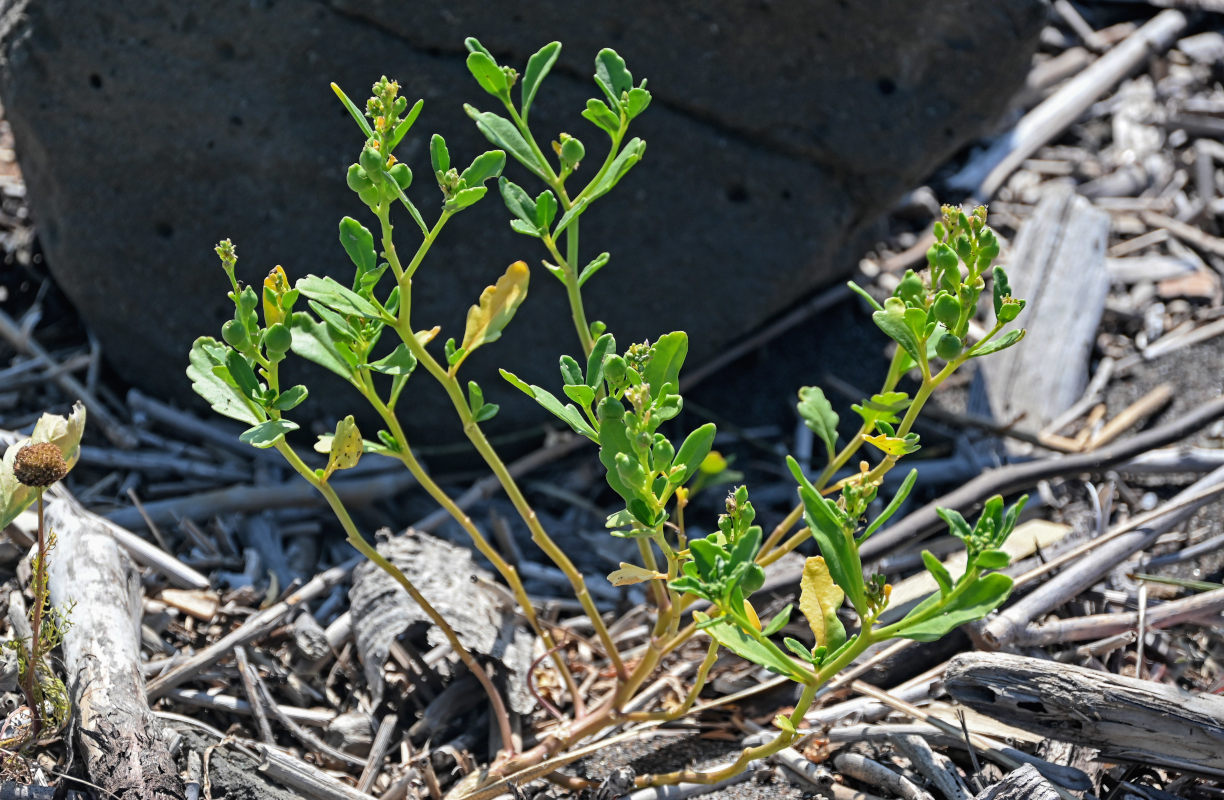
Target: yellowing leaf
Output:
[(713, 463), (425, 337), (891, 445), (346, 447), (493, 312), (632, 573), (276, 284), (750, 612), (819, 599)]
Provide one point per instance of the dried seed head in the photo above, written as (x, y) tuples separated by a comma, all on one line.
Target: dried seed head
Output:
[(39, 464)]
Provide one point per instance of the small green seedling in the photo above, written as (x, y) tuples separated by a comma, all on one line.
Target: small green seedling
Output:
[(619, 399)]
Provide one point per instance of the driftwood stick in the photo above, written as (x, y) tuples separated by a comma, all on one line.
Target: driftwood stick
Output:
[(121, 740), (1016, 477), (295, 493), (255, 627), (1011, 622), (935, 768), (301, 777), (1025, 783), (1125, 718), (1098, 626), (1058, 264), (996, 751), (983, 175), (873, 773)]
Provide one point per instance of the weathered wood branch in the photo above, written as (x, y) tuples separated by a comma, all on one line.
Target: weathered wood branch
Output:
[(1125, 718), (91, 578)]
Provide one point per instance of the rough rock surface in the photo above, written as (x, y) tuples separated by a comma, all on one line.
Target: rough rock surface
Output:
[(148, 130)]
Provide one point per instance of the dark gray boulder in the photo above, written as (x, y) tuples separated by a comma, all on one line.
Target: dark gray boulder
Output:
[(148, 130)]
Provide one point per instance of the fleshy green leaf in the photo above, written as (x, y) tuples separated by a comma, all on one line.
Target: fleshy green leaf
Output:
[(537, 67), (486, 72), (729, 635), (405, 125), (313, 341), (335, 296), (818, 414), (358, 242), (206, 354), (268, 433), (291, 398), (439, 155), (566, 413), (995, 345), (778, 622), (590, 269), (667, 357), (611, 74), (692, 452), (973, 603), (399, 361), (354, 112), (502, 133), (632, 153), (601, 116), (938, 571), (892, 321), (485, 166), (892, 507), (886, 407)]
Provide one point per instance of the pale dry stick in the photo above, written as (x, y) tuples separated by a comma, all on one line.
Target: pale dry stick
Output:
[(935, 769), (1098, 649), (996, 751), (298, 732), (247, 676), (1187, 233), (301, 777), (1096, 626), (228, 704), (255, 627), (983, 175), (1082, 29), (680, 791), (1141, 628), (145, 461), (378, 751), (1132, 415), (1108, 550), (872, 772), (114, 430), (293, 493), (1173, 342), (1092, 395)]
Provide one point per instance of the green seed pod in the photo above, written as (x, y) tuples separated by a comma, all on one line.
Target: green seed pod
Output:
[(662, 453), (372, 162), (1010, 309), (235, 334), (947, 309), (277, 338), (614, 370), (911, 289), (572, 151), (402, 175), (357, 178), (371, 196), (945, 256), (948, 347)]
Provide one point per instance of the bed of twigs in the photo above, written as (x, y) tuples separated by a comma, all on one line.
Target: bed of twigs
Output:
[(285, 672)]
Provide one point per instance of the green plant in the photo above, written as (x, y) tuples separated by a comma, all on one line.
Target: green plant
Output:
[(29, 467), (619, 400)]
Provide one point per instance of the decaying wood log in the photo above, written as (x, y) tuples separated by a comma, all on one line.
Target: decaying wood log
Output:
[(1058, 266), (1125, 718), (1025, 783), (121, 740)]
